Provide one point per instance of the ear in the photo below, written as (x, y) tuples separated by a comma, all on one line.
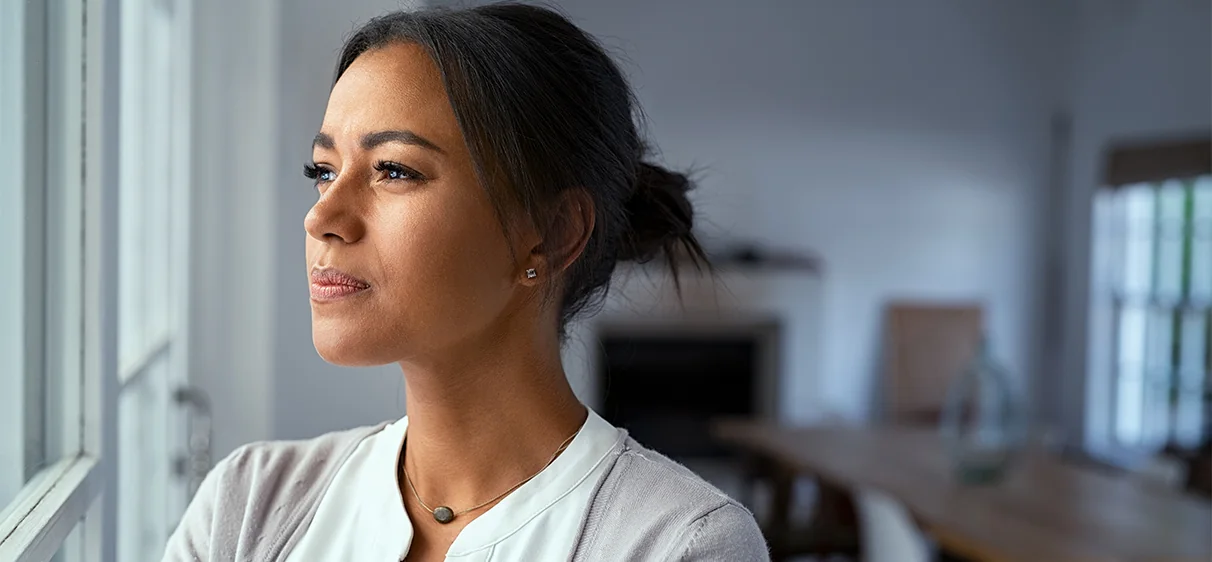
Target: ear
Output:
[(567, 231)]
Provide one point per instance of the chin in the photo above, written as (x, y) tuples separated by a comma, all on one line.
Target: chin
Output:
[(348, 347)]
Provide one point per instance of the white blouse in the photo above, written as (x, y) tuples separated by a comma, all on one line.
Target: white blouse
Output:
[(362, 516)]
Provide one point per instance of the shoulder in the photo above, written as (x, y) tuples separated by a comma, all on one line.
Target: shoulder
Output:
[(256, 463), (256, 496), (654, 508), (285, 470), (643, 471), (263, 480)]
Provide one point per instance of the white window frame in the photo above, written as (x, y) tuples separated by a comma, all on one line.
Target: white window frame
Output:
[(55, 502)]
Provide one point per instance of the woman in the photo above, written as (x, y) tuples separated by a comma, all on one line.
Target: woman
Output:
[(479, 176)]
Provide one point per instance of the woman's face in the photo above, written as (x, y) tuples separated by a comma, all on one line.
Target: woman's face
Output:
[(405, 254)]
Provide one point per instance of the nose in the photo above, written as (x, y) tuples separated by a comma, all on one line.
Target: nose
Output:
[(336, 217)]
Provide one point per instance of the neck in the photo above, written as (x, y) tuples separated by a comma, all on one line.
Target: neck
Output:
[(487, 419)]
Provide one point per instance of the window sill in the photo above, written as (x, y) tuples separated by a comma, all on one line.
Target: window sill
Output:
[(35, 524)]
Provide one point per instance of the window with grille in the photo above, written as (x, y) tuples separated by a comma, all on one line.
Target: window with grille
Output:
[(1157, 241)]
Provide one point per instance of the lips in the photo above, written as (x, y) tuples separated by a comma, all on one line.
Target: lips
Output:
[(329, 284)]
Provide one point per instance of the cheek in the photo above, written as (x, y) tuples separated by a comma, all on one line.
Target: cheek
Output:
[(445, 262)]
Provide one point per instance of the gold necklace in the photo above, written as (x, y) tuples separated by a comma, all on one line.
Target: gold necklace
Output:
[(443, 514)]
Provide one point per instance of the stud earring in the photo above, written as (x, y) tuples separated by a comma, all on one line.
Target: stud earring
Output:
[(531, 273)]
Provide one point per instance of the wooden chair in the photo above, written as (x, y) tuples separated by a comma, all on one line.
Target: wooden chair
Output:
[(926, 347), (832, 529), (889, 532), (1199, 471), (1161, 471), (1197, 468)]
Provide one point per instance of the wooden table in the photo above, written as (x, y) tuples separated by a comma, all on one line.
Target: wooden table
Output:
[(1044, 510)]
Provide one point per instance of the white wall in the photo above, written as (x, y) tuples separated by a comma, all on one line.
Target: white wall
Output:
[(906, 144), (1142, 70)]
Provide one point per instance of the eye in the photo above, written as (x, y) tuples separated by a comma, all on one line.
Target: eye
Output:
[(394, 171), (319, 173)]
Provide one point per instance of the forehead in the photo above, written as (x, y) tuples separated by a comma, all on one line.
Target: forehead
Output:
[(393, 87)]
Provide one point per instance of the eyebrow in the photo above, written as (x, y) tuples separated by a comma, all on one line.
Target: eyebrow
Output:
[(379, 138)]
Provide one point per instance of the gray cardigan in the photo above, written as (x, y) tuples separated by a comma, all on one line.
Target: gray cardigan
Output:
[(257, 503)]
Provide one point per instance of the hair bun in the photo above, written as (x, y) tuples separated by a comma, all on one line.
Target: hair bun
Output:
[(660, 215)]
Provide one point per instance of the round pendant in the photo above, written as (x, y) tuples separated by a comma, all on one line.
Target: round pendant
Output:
[(443, 514)]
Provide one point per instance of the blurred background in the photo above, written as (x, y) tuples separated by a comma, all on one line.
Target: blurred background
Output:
[(883, 185)]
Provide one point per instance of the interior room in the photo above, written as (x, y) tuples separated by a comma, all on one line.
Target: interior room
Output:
[(959, 305)]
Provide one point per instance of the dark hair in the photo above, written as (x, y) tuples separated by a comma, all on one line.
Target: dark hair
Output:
[(544, 109)]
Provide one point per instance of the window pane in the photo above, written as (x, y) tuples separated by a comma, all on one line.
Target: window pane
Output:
[(133, 233), (146, 231), (1201, 248), (151, 434), (1129, 403), (1130, 394), (73, 547), (160, 75), (1159, 375), (145, 471), (64, 223), (1192, 369), (1136, 273), (1168, 244)]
